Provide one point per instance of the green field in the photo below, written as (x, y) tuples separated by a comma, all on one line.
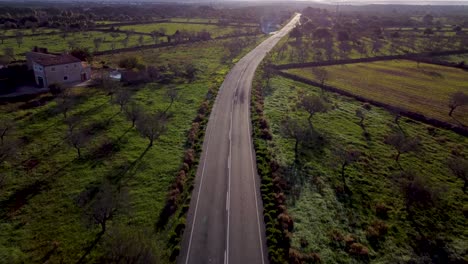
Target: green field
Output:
[(308, 49), (327, 222), (171, 28), (13, 32), (58, 43), (41, 220), (425, 90), (454, 58)]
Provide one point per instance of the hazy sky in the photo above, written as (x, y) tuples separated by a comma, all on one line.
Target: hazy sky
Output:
[(421, 2)]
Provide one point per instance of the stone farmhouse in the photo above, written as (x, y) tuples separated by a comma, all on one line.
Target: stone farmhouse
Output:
[(51, 68)]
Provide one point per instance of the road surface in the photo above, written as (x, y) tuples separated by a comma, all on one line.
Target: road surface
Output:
[(225, 219)]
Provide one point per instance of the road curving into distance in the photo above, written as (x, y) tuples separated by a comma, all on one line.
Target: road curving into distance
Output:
[(225, 219)]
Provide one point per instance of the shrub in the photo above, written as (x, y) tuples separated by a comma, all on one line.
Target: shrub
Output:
[(367, 106), (376, 231), (358, 249), (381, 210), (55, 89), (189, 157)]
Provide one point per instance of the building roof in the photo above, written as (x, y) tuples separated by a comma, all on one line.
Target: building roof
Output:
[(37, 55), (56, 60)]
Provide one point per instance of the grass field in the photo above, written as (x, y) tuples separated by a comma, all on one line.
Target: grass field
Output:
[(454, 58), (45, 223), (325, 221), (289, 51), (13, 32), (171, 28), (425, 90), (57, 43)]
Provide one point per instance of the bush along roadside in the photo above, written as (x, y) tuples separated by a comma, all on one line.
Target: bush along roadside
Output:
[(178, 200), (278, 223)]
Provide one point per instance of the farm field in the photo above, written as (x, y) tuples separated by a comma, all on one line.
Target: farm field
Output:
[(425, 90), (308, 49), (45, 198), (454, 58), (13, 32), (171, 28), (376, 222), (57, 43)]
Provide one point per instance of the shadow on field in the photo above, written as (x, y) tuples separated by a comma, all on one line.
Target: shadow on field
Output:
[(21, 197)]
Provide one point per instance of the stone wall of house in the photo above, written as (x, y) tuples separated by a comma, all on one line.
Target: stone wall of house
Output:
[(65, 73)]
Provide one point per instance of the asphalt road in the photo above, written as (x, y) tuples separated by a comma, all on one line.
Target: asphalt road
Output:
[(225, 220)]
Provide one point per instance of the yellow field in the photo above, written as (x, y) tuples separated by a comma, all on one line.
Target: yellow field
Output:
[(425, 89)]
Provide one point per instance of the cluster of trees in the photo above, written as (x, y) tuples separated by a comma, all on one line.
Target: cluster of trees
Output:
[(138, 72), (234, 47), (78, 17), (331, 36)]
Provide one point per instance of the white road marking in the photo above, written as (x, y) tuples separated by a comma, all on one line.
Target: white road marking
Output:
[(199, 190), (226, 252)]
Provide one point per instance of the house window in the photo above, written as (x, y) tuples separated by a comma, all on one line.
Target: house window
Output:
[(53, 69), (75, 65), (66, 66), (65, 78)]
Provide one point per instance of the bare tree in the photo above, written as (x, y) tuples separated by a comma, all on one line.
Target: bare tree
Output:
[(78, 140), (140, 40), (321, 74), (296, 130), (65, 102), (155, 36), (402, 143), (72, 122), (110, 86), (313, 104), (134, 112), (97, 43), (360, 113), (459, 168), (109, 200), (19, 36), (345, 157), (457, 99), (152, 126), (122, 97), (171, 94), (125, 42)]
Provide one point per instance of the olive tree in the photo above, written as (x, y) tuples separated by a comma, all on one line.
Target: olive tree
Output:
[(402, 144), (313, 104), (108, 201), (297, 130), (457, 99), (345, 157), (459, 168), (152, 126), (133, 112), (78, 140)]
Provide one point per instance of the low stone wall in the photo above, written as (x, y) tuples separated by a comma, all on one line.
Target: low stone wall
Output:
[(410, 56)]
